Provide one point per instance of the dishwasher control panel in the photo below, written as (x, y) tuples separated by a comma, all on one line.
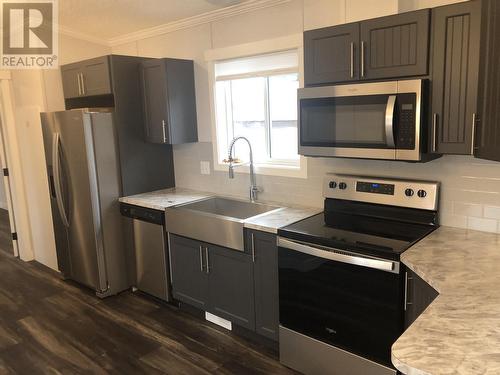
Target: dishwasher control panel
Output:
[(142, 213)]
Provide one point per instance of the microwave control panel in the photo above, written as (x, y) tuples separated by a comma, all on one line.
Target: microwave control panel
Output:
[(405, 130)]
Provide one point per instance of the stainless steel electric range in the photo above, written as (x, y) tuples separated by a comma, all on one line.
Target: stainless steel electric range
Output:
[(341, 284)]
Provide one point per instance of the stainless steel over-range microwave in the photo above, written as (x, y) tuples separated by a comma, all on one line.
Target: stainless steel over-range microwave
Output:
[(381, 120)]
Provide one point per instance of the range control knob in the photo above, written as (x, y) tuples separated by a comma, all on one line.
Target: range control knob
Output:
[(332, 184), (409, 192), (422, 193), (342, 186)]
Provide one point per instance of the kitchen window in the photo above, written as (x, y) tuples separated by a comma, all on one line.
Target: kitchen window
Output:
[(256, 97)]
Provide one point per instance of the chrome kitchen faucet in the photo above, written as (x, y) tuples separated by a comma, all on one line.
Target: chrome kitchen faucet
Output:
[(253, 186)]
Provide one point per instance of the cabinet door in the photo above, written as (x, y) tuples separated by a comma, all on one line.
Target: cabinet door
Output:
[(455, 66), (189, 274), (96, 76), (263, 246), (70, 80), (331, 54), (395, 46), (419, 295), (231, 286), (488, 130), (154, 91)]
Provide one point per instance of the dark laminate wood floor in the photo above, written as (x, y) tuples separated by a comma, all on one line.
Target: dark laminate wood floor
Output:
[(50, 326), (5, 234)]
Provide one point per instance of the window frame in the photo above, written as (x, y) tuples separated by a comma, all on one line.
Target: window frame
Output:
[(275, 167), (270, 160)]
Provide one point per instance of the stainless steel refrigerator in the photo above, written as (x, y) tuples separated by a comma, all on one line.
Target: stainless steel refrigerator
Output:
[(83, 170)]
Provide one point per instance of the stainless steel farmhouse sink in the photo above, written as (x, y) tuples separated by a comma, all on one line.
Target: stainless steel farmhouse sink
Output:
[(215, 220)]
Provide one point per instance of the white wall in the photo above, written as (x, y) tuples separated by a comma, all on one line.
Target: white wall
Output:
[(3, 198), (36, 91), (470, 187)]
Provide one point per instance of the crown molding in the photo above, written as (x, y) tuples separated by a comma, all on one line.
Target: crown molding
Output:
[(245, 7), (82, 36)]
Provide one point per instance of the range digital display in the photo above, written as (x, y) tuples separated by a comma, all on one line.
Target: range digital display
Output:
[(373, 187)]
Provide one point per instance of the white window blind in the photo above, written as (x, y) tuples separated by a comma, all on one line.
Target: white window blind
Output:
[(257, 65)]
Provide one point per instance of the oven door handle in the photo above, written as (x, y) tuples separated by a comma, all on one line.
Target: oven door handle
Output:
[(340, 256), (389, 121)]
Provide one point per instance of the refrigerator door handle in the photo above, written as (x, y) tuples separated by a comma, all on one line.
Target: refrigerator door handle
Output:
[(57, 179)]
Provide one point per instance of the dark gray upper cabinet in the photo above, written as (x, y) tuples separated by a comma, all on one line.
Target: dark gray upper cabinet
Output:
[(331, 55), (72, 85), (264, 249), (487, 136), (96, 77), (87, 78), (231, 286), (386, 47), (419, 295), (189, 274), (395, 46), (169, 101), (455, 72)]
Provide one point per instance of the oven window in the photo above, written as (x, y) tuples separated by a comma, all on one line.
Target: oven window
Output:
[(357, 121), (355, 308)]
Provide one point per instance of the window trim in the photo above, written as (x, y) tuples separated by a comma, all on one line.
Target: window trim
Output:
[(250, 49)]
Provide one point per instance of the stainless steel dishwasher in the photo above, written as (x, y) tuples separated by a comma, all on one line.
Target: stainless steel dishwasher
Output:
[(150, 248)]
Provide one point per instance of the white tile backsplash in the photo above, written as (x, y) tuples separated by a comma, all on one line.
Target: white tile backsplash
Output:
[(470, 188)]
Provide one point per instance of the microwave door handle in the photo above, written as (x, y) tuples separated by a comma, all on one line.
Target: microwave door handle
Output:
[(339, 256), (389, 121)]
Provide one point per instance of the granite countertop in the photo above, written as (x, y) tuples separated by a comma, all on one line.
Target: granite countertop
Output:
[(267, 222), (161, 199), (459, 333)]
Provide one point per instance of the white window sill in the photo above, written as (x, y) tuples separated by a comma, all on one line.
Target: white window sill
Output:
[(279, 170)]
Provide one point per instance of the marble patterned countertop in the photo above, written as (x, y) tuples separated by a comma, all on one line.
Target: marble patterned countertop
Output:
[(459, 333), (268, 222)]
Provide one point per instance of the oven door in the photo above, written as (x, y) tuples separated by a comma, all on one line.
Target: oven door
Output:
[(368, 120), (347, 300)]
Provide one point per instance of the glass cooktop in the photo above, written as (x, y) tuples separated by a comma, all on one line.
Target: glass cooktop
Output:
[(373, 236)]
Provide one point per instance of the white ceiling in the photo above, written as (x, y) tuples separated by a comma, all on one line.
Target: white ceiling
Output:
[(106, 19)]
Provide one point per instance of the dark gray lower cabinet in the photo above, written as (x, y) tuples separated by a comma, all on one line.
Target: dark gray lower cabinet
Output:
[(230, 285), (189, 276), (241, 287), (265, 253), (419, 295)]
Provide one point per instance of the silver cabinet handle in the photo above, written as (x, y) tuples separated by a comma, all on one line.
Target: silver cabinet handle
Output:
[(252, 242), (206, 255), (406, 291), (57, 179), (201, 258), (79, 84), (434, 132), (389, 121), (362, 58), (473, 140), (352, 60), (164, 132), (340, 256), (83, 83)]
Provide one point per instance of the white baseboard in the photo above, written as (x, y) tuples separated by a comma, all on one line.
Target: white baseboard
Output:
[(219, 321)]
